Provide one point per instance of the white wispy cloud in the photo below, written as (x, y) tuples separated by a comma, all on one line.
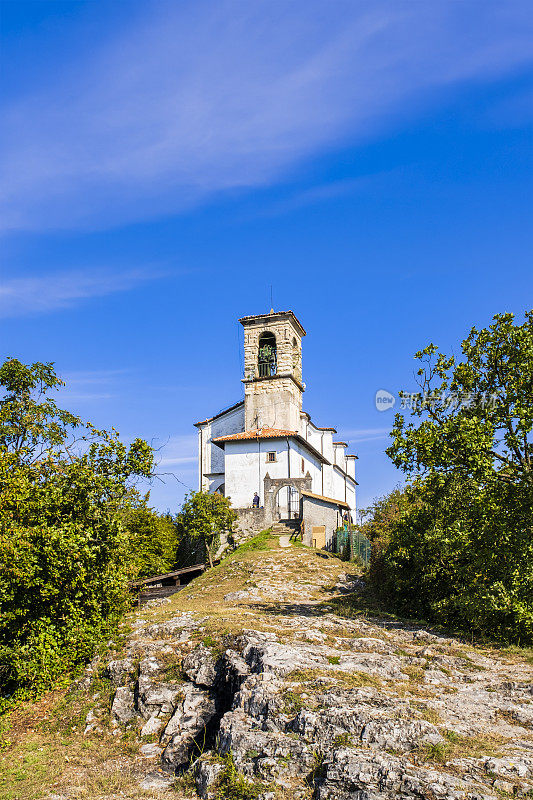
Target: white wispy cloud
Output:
[(365, 434), (86, 397), (193, 99), (88, 386), (92, 376), (44, 293), (178, 450)]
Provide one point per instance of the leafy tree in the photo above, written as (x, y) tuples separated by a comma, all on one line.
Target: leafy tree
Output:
[(152, 539), (204, 517), (461, 549), (64, 559), (376, 523), (477, 414)]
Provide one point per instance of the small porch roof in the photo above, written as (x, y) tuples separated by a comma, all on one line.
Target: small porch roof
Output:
[(324, 499)]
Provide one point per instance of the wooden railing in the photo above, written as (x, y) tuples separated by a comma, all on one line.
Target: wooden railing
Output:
[(168, 578)]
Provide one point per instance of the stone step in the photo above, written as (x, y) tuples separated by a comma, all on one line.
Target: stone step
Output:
[(282, 530)]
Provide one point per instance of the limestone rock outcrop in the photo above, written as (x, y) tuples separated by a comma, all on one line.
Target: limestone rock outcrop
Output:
[(326, 706)]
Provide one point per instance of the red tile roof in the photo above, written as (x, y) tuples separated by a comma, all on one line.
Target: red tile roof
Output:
[(270, 433), (262, 433)]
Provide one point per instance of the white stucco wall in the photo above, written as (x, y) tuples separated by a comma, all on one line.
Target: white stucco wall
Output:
[(338, 483), (314, 436), (330, 488), (310, 464), (246, 465), (351, 497), (211, 457), (273, 402), (350, 466), (340, 457), (327, 444)]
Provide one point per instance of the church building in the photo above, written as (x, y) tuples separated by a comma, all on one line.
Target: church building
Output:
[(267, 445)]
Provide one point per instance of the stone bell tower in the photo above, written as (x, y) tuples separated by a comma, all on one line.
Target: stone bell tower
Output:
[(272, 371)]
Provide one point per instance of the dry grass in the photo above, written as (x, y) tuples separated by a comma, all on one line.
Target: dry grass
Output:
[(512, 655), (325, 680), (427, 713), (204, 597), (80, 768), (416, 675), (456, 747), (48, 753)]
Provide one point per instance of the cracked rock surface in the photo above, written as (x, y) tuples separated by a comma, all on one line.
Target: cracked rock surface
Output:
[(268, 659)]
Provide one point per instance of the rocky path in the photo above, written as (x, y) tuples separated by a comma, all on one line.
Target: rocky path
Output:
[(264, 668)]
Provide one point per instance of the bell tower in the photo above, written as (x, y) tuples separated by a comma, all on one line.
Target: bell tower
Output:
[(272, 380)]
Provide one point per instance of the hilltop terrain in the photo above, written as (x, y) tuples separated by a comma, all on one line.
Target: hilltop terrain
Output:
[(272, 679)]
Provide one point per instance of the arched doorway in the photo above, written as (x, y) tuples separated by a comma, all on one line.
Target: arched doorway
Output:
[(288, 502)]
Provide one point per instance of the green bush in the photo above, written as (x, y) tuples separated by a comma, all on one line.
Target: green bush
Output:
[(461, 557), (203, 517), (456, 546), (64, 556), (152, 539)]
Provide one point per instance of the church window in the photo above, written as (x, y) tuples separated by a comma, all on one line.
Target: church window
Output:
[(267, 355), (303, 465), (271, 456)]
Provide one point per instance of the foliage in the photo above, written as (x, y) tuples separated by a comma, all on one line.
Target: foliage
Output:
[(376, 523), (267, 353), (31, 424), (261, 541), (64, 560), (152, 539), (476, 424), (458, 547), (189, 551), (203, 518), (232, 785)]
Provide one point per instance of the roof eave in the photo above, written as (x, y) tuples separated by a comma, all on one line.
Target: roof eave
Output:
[(346, 474), (264, 317), (223, 441), (324, 499), (220, 414)]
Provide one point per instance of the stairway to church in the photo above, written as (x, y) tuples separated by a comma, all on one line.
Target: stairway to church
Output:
[(288, 527)]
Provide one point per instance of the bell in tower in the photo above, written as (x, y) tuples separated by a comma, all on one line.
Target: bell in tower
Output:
[(267, 355)]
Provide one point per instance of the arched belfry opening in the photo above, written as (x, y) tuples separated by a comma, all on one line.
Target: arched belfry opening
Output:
[(267, 357)]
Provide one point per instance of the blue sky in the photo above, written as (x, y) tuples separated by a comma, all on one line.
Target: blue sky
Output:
[(164, 164)]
